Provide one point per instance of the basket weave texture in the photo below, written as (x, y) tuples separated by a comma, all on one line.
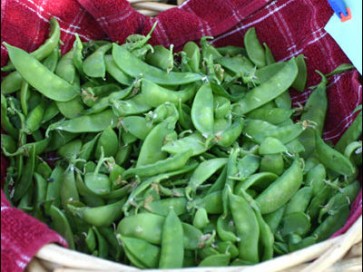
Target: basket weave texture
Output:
[(342, 253)]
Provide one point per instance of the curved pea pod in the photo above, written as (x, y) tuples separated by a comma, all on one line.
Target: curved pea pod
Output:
[(87, 148), (137, 126), (141, 253), (331, 224), (6, 124), (172, 248), (135, 105), (89, 197), (258, 181), (204, 171), (70, 150), (239, 65), (274, 219), (351, 134), (247, 228), (264, 73), (262, 94), (108, 140), (34, 119), (116, 72), (274, 116), (170, 164), (162, 206), (90, 240), (72, 108), (66, 69), (69, 190), (258, 131), (32, 70), (194, 142), (102, 216), (231, 134), (94, 64), (134, 67), (300, 81), (273, 163), (8, 144), (39, 148), (151, 149), (162, 112), (306, 242), (193, 54), (319, 200), (156, 95), (89, 123), (123, 154), (218, 260), (161, 57), (282, 189), (266, 239), (254, 49), (295, 223), (300, 201), (11, 83), (226, 229), (202, 111), (271, 145), (228, 248), (200, 219), (269, 58), (315, 178), (333, 159)]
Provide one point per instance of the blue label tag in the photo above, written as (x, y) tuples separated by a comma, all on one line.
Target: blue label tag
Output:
[(348, 34)]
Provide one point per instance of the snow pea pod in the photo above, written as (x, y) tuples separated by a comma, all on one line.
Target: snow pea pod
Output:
[(116, 72), (254, 49), (137, 126), (300, 201), (38, 76), (172, 247), (300, 81), (193, 56), (282, 189), (94, 64), (269, 90), (269, 58), (351, 134), (68, 188), (194, 142), (217, 260), (89, 123), (134, 67), (231, 134), (332, 158), (274, 116), (135, 105), (161, 57), (162, 206)]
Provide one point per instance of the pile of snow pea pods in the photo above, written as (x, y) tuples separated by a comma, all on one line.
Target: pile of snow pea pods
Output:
[(161, 159)]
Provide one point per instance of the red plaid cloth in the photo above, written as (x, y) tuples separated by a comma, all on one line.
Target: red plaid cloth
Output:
[(289, 27)]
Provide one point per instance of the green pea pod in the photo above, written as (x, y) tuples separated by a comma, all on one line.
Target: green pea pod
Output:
[(135, 105), (269, 58), (102, 244), (295, 223), (274, 116), (66, 69), (170, 164), (34, 118), (6, 124), (115, 249), (351, 134), (24, 97), (258, 181), (90, 123), (40, 194), (72, 108), (271, 145), (94, 64), (231, 50), (262, 94), (116, 72), (108, 140), (284, 101), (46, 48), (200, 219), (141, 253), (136, 68), (151, 151), (239, 65), (218, 260), (32, 71), (212, 202), (137, 125), (8, 144), (300, 81), (273, 163), (162, 58), (90, 240), (50, 112), (333, 159), (89, 197), (282, 189), (247, 228), (266, 239), (25, 181), (204, 171), (11, 83), (274, 219), (70, 150), (226, 230), (99, 216), (162, 206), (172, 248), (231, 134), (300, 201), (69, 191), (247, 166), (254, 49), (193, 55), (54, 186), (264, 73), (194, 142)]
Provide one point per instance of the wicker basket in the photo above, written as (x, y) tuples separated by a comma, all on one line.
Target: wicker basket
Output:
[(343, 253)]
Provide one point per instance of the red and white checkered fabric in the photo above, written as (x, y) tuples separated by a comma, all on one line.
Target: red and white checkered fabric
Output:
[(289, 27)]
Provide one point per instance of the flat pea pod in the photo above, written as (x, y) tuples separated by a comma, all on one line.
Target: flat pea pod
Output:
[(271, 145), (66, 69), (102, 216), (315, 178), (274, 116), (34, 118), (72, 108), (162, 206), (116, 72), (134, 67), (332, 158), (69, 188), (247, 228), (141, 253), (90, 240), (24, 97), (161, 57), (52, 60), (11, 83), (351, 134), (218, 260), (94, 64), (170, 164), (331, 224), (151, 149), (231, 134), (269, 58), (108, 140), (300, 201), (226, 229), (172, 248), (254, 49), (202, 111), (47, 47), (266, 238), (282, 189), (32, 71), (264, 73), (60, 224), (295, 223), (262, 94), (156, 95), (194, 142), (89, 123), (193, 54), (137, 126), (300, 81), (54, 185), (258, 181), (204, 171)]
